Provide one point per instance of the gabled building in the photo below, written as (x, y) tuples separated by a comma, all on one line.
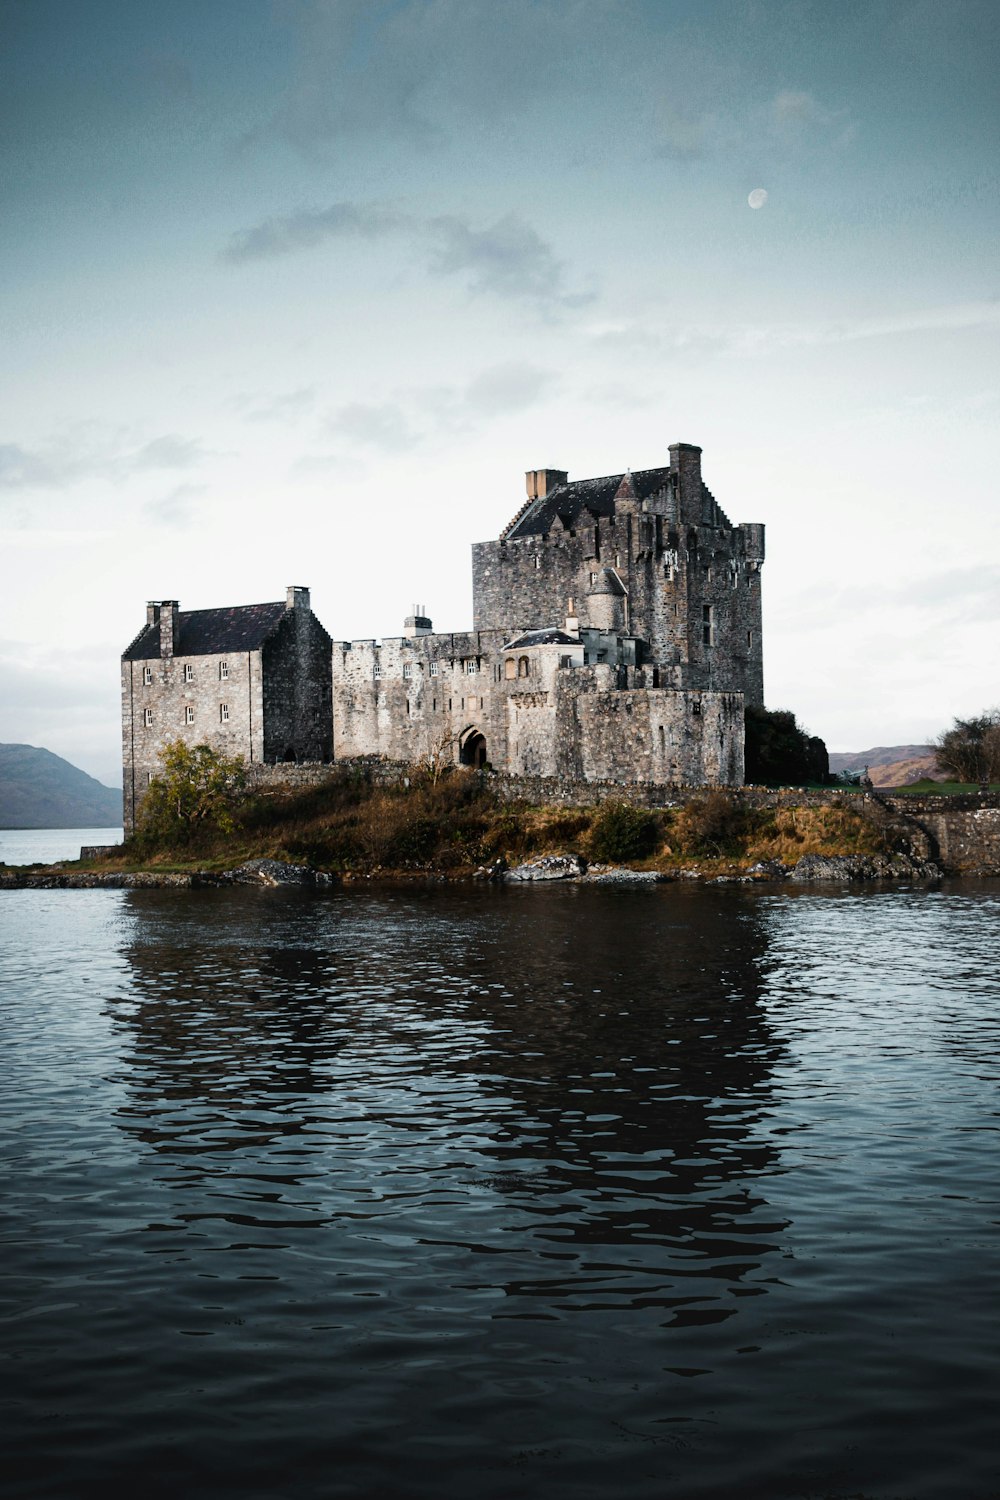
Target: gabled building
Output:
[(616, 637), (254, 681)]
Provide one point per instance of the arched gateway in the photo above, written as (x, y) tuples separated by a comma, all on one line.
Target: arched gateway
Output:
[(473, 749)]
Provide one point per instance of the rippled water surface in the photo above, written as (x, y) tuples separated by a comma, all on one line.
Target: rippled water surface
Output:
[(500, 1193)]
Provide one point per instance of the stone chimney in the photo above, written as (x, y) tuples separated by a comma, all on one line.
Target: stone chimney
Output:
[(538, 482), (296, 598), (167, 612), (152, 612), (685, 463), (417, 623)]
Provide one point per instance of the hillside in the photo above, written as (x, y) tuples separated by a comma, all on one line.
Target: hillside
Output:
[(890, 765), (41, 790)]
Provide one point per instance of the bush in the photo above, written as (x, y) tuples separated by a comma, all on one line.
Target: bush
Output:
[(198, 787), (717, 825), (970, 750), (621, 831)]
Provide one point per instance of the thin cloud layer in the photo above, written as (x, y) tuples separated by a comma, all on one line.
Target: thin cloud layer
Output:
[(59, 464), (311, 226), (420, 415)]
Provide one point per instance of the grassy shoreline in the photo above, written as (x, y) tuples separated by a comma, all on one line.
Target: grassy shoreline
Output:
[(453, 825)]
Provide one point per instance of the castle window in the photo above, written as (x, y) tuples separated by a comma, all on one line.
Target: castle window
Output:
[(510, 669), (593, 577), (407, 669), (147, 677), (749, 639), (188, 672), (522, 666), (696, 708), (377, 671), (707, 625), (565, 661), (569, 605), (223, 713), (147, 717), (538, 561), (471, 666), (434, 668), (223, 670), (188, 714)]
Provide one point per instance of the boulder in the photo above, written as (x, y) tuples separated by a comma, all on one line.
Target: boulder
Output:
[(270, 872), (549, 867)]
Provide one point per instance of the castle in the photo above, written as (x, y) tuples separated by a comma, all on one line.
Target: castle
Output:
[(616, 637)]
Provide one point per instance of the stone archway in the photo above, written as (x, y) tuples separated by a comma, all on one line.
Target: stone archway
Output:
[(473, 750)]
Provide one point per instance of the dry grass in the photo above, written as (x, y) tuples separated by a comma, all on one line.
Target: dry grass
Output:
[(453, 824)]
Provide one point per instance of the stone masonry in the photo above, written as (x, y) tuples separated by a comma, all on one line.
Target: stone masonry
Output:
[(616, 640), (617, 636), (253, 681)]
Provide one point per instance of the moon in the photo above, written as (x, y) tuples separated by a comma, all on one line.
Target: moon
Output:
[(757, 198)]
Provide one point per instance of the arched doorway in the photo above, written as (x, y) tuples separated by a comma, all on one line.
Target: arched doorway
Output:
[(473, 751)]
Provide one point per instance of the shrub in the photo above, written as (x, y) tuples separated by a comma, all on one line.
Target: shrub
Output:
[(621, 831), (970, 750), (198, 787), (717, 824)]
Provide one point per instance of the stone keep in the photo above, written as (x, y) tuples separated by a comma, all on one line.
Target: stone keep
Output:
[(616, 636), (253, 681)]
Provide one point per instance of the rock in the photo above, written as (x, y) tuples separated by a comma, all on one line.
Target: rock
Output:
[(549, 867), (769, 869), (616, 875), (270, 872), (823, 867)]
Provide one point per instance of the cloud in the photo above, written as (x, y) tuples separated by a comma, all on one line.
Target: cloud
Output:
[(311, 226), (167, 452), (384, 427), (416, 415), (681, 135), (751, 340), (176, 508), (507, 259), (63, 462), (286, 406)]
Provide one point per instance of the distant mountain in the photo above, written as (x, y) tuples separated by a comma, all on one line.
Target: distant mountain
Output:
[(890, 765), (41, 790)]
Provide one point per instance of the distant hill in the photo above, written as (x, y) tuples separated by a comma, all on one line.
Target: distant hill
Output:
[(41, 790), (890, 765)]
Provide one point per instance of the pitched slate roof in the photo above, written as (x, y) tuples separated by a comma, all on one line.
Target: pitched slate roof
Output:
[(211, 632), (550, 637), (581, 501)]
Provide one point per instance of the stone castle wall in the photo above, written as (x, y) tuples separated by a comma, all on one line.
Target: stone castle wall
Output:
[(216, 700)]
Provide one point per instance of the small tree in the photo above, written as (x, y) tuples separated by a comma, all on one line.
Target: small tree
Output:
[(970, 750), (779, 752), (198, 786)]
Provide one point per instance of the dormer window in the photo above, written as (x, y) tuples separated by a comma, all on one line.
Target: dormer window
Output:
[(188, 672)]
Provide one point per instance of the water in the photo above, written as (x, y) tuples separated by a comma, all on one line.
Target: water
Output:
[(42, 846), (568, 1192)]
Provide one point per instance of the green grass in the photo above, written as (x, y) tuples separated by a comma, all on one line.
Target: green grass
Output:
[(927, 788)]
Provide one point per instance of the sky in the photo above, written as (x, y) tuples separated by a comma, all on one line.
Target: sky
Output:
[(294, 292)]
